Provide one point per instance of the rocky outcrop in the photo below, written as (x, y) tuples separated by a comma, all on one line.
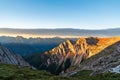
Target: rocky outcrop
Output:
[(69, 53), (8, 57), (85, 53), (115, 69)]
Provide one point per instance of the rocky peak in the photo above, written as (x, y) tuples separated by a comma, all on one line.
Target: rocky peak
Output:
[(72, 47), (63, 48), (81, 46), (68, 53), (73, 53)]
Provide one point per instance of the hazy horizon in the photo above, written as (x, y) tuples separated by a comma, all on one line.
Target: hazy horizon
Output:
[(58, 28), (60, 32)]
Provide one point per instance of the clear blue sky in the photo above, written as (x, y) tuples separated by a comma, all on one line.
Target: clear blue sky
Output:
[(83, 14)]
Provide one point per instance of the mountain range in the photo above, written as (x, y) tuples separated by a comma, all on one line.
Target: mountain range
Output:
[(84, 58), (92, 53)]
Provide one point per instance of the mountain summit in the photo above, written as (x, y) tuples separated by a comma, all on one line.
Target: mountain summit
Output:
[(74, 53)]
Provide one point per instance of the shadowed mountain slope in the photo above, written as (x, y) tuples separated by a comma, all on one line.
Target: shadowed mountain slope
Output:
[(27, 46), (8, 57)]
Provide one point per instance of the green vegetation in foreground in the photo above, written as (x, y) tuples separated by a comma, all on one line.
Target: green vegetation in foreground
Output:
[(11, 72), (84, 75)]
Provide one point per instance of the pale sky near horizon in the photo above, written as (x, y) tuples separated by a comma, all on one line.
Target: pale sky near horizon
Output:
[(82, 14)]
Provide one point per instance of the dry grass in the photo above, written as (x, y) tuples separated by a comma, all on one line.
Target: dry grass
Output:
[(102, 44)]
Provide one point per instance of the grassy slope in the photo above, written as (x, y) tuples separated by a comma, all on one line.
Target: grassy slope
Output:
[(10, 72), (84, 75)]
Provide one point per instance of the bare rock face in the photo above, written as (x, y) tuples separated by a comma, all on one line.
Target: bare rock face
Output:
[(91, 53), (115, 69), (69, 53), (8, 57)]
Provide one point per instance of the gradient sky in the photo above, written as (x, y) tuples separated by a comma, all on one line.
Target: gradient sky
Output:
[(82, 14)]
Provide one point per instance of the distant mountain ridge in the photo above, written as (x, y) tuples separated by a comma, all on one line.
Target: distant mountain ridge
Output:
[(61, 32), (26, 46), (21, 39)]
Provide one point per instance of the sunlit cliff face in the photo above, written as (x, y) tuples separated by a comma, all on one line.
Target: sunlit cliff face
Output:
[(94, 44), (72, 53), (102, 44)]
